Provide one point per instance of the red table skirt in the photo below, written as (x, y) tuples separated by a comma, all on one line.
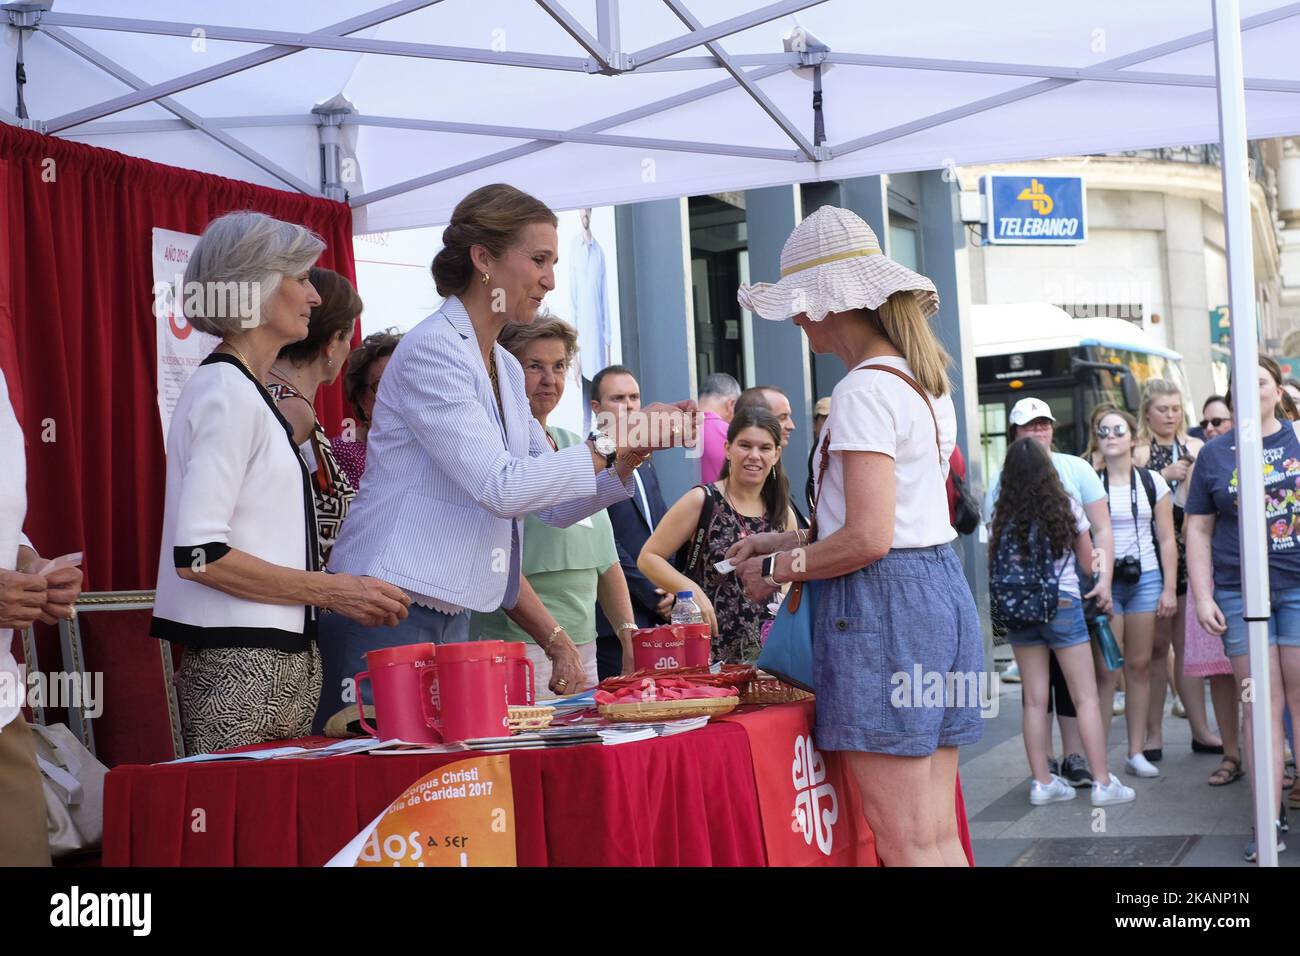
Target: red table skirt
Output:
[(687, 800)]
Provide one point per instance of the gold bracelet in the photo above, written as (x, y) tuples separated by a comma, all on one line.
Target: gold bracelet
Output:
[(550, 640)]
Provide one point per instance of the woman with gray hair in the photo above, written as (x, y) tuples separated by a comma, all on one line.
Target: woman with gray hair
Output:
[(239, 582)]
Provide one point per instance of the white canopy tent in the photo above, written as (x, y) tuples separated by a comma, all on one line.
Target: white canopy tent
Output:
[(591, 102), (446, 96)]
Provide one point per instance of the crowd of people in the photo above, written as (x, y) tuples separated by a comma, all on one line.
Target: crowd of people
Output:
[(1131, 549), (451, 508)]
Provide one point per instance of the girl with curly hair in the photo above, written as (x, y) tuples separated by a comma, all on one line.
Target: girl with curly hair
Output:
[(1031, 503)]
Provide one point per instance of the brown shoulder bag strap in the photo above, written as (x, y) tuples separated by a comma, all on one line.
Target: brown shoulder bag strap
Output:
[(924, 397)]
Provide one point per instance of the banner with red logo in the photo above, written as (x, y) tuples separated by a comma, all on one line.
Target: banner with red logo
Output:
[(181, 347), (812, 815)]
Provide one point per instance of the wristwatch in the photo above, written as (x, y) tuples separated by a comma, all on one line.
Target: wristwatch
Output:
[(769, 570), (604, 445)]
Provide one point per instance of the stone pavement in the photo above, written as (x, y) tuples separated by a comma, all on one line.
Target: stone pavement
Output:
[(1177, 819)]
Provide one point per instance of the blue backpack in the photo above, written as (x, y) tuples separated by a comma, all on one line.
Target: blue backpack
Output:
[(1023, 582)]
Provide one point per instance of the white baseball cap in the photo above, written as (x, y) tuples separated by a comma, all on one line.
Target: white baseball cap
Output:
[(1027, 409)]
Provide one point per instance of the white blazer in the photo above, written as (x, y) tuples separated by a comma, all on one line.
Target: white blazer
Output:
[(447, 482)]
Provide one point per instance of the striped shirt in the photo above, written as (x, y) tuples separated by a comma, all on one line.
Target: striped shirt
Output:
[(449, 478)]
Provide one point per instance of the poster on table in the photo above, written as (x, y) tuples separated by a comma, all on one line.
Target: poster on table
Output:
[(181, 347), (461, 814), (394, 281)]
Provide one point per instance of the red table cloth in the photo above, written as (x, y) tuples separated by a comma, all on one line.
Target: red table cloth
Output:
[(685, 800)]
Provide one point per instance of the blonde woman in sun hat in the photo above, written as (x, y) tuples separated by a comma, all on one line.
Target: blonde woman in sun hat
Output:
[(891, 596)]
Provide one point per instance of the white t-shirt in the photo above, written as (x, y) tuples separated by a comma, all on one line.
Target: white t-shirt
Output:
[(1065, 567), (1134, 537), (876, 411)]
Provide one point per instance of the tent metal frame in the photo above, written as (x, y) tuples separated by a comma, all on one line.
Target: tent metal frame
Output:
[(603, 56), (745, 71)]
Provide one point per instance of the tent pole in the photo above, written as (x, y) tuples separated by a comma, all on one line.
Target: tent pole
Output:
[(330, 119), (1245, 396)]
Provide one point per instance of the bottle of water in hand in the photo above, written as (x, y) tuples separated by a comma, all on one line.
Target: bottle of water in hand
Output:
[(686, 611)]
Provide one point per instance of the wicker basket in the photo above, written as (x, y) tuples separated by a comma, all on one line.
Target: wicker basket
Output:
[(530, 718), (770, 690), (650, 710)]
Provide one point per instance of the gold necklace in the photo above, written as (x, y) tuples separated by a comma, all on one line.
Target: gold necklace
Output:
[(247, 368), (496, 385)]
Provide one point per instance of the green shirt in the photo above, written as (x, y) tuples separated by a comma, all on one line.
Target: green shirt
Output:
[(562, 565)]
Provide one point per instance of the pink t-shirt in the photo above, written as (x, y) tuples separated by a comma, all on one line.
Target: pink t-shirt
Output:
[(713, 438)]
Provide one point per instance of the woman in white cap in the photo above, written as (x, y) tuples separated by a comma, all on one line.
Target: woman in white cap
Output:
[(891, 595)]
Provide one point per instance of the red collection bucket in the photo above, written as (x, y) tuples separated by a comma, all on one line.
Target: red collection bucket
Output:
[(699, 644), (521, 689), (659, 648), (472, 679), (403, 681)]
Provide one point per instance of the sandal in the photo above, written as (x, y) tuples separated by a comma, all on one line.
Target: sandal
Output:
[(1229, 772)]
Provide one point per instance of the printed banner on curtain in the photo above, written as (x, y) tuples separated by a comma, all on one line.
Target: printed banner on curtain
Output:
[(462, 814), (181, 347), (812, 815)]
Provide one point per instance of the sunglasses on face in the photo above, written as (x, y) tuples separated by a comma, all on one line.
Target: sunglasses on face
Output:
[(1105, 431), (1216, 422)]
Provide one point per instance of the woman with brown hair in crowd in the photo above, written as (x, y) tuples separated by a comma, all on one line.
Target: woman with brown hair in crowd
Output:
[(366, 367), (298, 372)]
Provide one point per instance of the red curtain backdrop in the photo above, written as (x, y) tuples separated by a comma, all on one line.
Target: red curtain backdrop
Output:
[(77, 334)]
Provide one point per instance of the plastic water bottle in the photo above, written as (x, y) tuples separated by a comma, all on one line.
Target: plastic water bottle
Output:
[(686, 611)]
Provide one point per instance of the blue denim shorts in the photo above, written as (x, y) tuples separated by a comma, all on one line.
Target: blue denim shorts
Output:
[(884, 639), (1283, 622), (1067, 629), (1140, 598)]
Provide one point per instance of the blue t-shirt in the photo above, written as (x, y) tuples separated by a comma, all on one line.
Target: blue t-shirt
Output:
[(1213, 491), (1080, 481)]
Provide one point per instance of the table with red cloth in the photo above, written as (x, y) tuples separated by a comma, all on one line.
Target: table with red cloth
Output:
[(690, 799)]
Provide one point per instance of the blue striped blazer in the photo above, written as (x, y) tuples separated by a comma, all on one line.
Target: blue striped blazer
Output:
[(447, 481)]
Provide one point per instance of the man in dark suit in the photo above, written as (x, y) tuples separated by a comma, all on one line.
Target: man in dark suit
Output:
[(614, 390)]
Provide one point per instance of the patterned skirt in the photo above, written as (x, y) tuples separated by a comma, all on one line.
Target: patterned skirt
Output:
[(236, 696)]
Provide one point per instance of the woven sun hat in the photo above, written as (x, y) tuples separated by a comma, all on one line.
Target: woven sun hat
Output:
[(832, 262)]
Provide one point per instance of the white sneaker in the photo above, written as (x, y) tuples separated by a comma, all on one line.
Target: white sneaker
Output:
[(1118, 709), (1140, 766), (1054, 792), (1113, 792), (1012, 674)]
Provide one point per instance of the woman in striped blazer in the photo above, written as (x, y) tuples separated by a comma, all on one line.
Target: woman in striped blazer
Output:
[(456, 459)]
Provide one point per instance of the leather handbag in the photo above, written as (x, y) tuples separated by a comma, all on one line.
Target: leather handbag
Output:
[(788, 653), (74, 790)]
